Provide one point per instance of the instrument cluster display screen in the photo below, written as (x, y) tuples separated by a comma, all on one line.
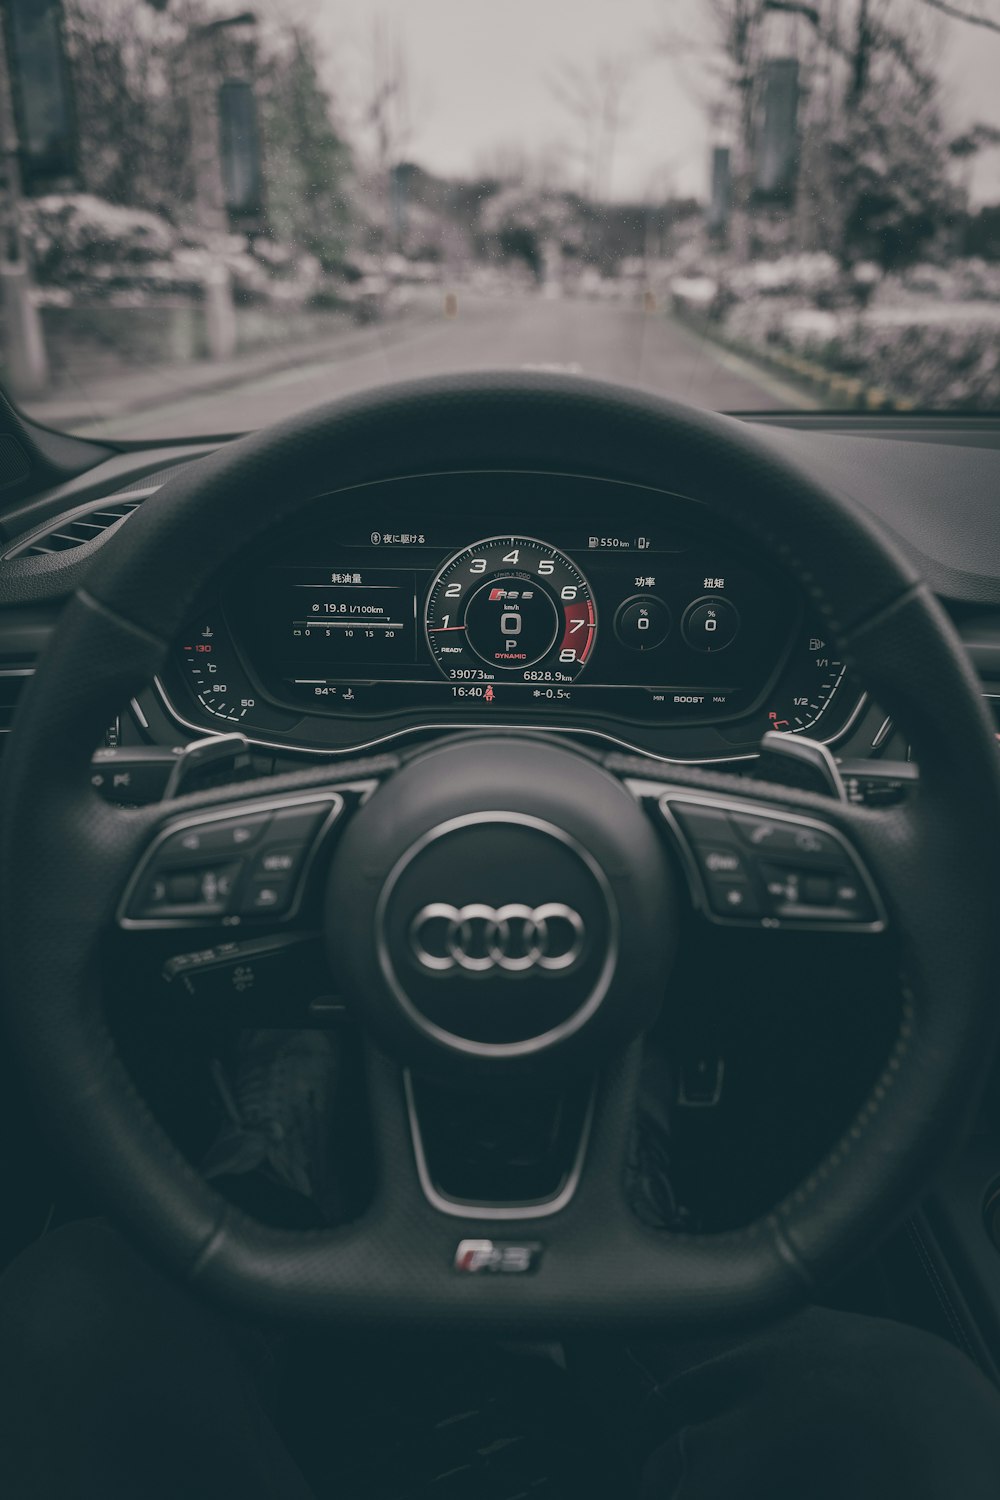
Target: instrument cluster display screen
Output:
[(447, 601), (638, 624)]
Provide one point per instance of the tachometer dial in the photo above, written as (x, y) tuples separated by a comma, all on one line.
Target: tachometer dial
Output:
[(511, 608)]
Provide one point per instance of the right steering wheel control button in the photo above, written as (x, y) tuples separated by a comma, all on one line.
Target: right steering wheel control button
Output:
[(721, 861), (835, 898), (755, 868), (710, 624), (643, 623), (731, 897), (817, 890), (772, 837)]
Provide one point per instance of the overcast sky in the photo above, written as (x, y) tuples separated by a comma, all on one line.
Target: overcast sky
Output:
[(481, 74)]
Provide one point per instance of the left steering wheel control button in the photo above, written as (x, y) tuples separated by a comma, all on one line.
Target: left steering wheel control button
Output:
[(222, 836), (227, 868), (206, 892), (270, 895), (282, 860)]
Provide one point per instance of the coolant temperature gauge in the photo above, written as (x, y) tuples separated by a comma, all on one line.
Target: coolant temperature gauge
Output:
[(219, 680)]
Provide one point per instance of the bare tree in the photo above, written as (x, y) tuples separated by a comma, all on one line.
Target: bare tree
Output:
[(387, 122), (387, 107), (596, 100), (873, 152), (985, 13), (541, 167), (132, 127)]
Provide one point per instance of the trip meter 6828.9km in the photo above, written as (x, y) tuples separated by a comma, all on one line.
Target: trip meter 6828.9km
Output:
[(510, 608)]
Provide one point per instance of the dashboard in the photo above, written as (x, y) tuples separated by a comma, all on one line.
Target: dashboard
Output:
[(455, 600), (382, 666)]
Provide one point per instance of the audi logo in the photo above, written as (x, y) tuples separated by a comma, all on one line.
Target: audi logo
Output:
[(513, 939)]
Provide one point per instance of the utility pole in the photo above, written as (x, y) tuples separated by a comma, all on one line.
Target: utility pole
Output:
[(25, 360)]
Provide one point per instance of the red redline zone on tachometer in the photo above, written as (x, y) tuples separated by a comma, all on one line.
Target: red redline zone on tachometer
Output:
[(580, 630)]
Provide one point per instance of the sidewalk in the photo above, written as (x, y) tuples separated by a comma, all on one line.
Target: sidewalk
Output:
[(135, 388)]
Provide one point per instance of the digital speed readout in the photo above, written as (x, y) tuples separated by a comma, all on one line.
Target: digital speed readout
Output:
[(510, 608)]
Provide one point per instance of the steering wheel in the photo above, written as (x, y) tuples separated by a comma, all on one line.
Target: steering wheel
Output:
[(504, 905)]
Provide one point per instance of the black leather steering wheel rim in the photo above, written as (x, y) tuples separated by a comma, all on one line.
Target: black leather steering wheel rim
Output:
[(64, 851)]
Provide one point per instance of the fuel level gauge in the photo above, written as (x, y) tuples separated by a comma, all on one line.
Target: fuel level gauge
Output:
[(803, 698)]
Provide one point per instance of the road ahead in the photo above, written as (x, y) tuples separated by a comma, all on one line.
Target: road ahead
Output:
[(608, 341)]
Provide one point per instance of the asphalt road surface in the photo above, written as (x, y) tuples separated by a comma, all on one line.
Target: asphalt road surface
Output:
[(606, 340)]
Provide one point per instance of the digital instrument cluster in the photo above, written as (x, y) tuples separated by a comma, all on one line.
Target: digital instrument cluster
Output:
[(562, 615)]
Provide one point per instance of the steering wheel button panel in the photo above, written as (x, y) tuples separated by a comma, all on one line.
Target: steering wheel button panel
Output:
[(769, 870), (182, 880)]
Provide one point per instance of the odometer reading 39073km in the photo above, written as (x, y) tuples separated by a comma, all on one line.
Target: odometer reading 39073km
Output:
[(510, 608)]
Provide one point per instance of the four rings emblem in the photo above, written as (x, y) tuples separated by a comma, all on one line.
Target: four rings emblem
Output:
[(513, 939)]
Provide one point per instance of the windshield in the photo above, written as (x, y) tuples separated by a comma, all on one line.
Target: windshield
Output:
[(215, 218)]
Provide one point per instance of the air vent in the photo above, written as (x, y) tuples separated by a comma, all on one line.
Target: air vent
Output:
[(87, 522), (12, 680), (73, 530)]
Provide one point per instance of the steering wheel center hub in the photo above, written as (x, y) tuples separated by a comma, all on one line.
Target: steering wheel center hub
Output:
[(484, 906), (497, 933)]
